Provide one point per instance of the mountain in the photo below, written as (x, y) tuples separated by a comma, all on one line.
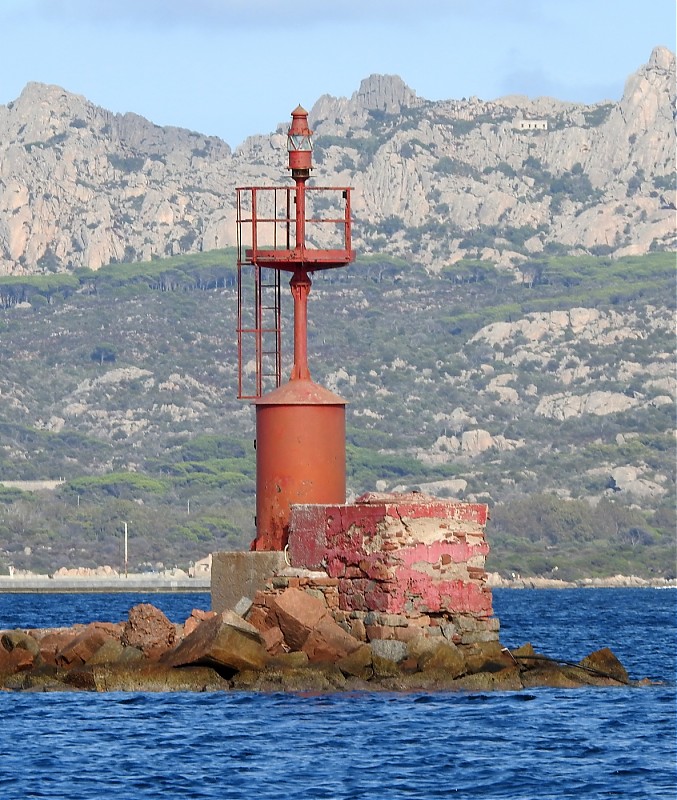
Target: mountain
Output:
[(507, 180)]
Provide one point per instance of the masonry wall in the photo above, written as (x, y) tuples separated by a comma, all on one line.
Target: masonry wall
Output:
[(400, 560)]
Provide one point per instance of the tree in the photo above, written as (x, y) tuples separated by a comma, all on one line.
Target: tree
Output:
[(103, 352)]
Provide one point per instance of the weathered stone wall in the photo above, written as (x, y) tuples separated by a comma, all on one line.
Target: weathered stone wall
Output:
[(395, 563)]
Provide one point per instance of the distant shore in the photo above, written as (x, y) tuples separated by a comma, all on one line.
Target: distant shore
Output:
[(496, 581), (164, 582), (134, 582)]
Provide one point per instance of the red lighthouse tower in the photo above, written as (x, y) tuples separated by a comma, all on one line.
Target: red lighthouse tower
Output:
[(300, 426)]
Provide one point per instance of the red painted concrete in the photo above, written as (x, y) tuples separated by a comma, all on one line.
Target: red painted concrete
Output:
[(401, 554)]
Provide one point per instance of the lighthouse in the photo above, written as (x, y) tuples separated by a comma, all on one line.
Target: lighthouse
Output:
[(300, 425)]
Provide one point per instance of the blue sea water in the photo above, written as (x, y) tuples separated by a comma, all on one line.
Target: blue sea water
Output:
[(587, 744)]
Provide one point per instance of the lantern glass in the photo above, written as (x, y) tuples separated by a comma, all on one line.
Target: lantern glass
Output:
[(297, 142)]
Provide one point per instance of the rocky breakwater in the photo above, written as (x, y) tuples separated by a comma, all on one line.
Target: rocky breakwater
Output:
[(288, 640)]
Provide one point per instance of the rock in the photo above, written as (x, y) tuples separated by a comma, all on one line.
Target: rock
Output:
[(80, 649), (225, 642), (421, 645), (328, 642), (327, 678), (357, 664), (156, 677), (242, 606), (12, 640), (110, 652), (392, 649), (385, 667), (80, 678), (131, 655), (506, 680), (197, 615), (149, 629), (605, 664), (284, 675), (563, 405), (486, 657), (294, 660), (167, 186), (44, 678), (548, 674), (298, 614), (273, 640), (16, 660), (446, 657), (54, 642), (527, 653), (627, 480), (475, 442)]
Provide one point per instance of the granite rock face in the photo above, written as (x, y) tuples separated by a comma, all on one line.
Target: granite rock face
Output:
[(81, 186)]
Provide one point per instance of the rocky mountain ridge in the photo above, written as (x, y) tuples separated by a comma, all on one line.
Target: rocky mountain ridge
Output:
[(83, 187)]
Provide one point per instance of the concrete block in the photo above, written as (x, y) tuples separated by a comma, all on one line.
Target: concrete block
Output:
[(239, 574)]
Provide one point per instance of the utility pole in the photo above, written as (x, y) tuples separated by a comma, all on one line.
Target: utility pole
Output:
[(125, 524)]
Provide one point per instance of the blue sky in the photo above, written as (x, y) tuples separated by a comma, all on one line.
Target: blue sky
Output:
[(233, 68)]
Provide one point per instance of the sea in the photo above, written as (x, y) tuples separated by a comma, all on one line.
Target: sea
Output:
[(587, 744)]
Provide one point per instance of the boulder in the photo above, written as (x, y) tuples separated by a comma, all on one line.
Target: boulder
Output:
[(603, 663), (328, 677), (11, 640), (109, 652), (328, 642), (385, 667), (273, 640), (446, 657), (149, 630), (357, 664), (197, 616), (486, 657), (505, 680), (44, 678), (80, 678), (14, 661), (52, 643), (392, 649), (294, 660), (225, 642), (551, 675), (81, 648), (298, 613)]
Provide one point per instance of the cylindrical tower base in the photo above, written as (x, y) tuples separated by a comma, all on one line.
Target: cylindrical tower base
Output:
[(300, 456)]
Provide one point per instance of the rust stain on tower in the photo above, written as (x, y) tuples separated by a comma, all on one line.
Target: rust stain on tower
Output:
[(300, 426)]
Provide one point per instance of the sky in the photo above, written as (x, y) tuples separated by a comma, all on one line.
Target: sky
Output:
[(235, 68)]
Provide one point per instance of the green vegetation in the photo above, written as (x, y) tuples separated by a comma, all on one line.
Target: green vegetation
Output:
[(202, 271), (126, 163), (598, 115), (154, 437), (546, 535)]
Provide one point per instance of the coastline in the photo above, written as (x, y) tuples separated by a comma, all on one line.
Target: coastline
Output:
[(163, 583), (496, 581), (107, 584)]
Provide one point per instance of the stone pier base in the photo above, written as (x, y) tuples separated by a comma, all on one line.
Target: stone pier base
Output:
[(388, 568)]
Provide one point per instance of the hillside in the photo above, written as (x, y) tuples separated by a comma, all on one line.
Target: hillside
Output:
[(82, 187), (552, 400)]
